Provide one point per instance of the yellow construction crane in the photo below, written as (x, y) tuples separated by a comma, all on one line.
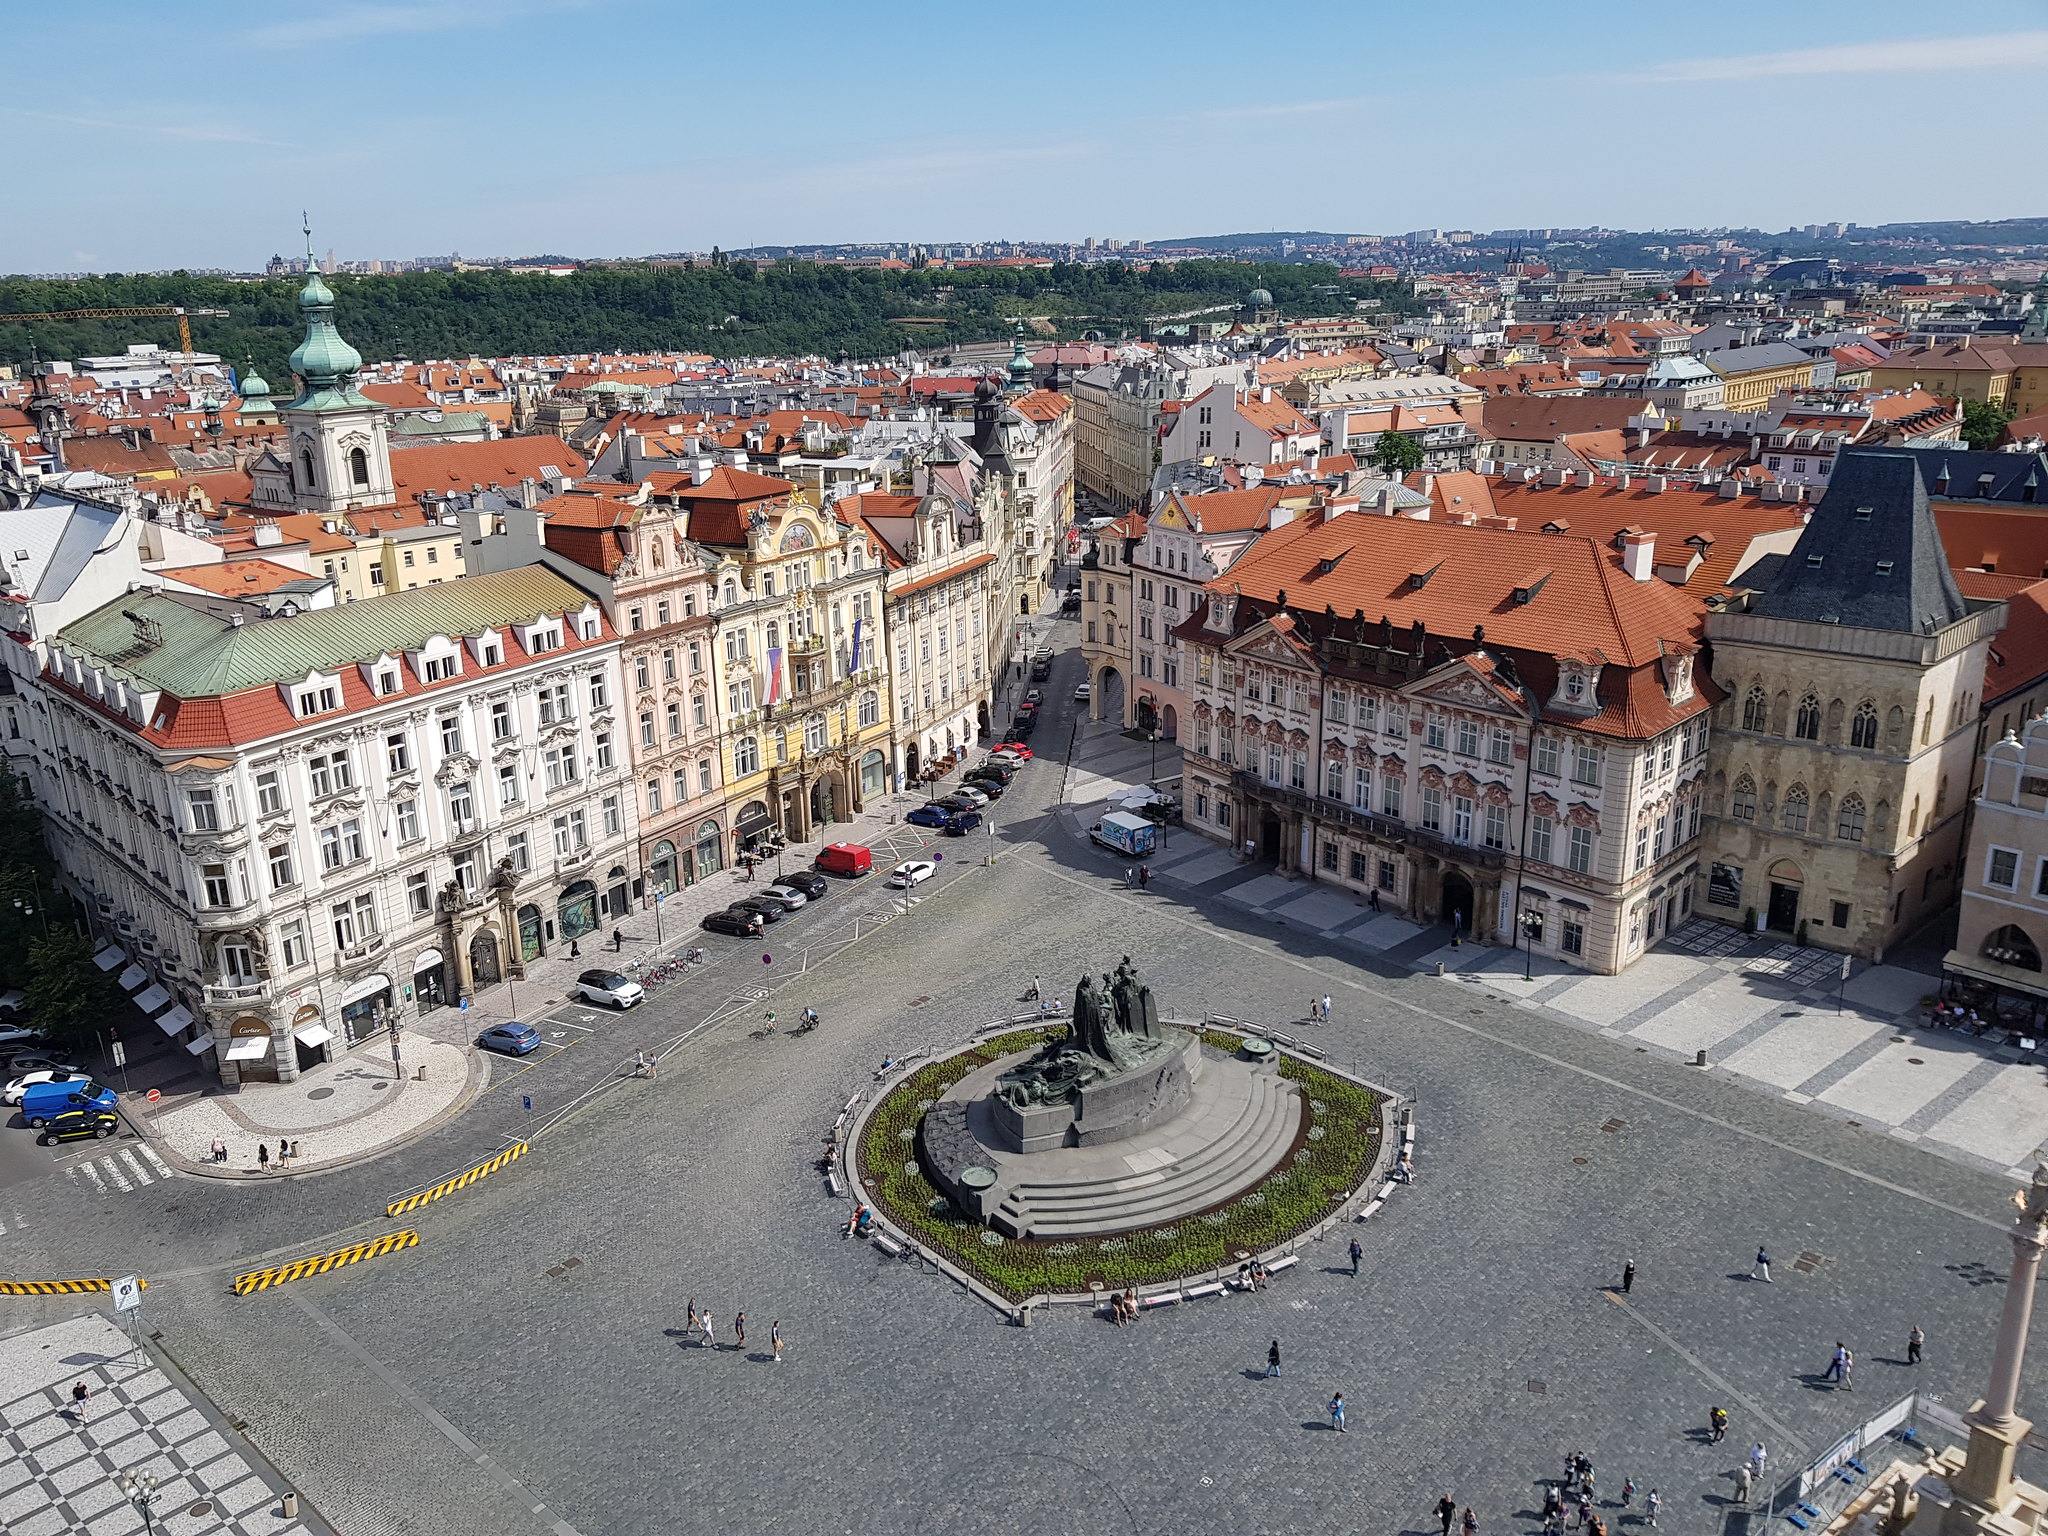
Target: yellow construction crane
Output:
[(184, 322)]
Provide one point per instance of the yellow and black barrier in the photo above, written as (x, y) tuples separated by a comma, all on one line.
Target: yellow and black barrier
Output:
[(446, 1186), (298, 1269), (57, 1287)]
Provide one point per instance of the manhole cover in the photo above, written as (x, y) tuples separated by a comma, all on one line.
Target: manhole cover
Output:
[(379, 1087), (919, 1002), (1915, 1061), (201, 1508), (321, 1093), (564, 1267), (1615, 1125), (1538, 1387), (1807, 1263), (1578, 1160)]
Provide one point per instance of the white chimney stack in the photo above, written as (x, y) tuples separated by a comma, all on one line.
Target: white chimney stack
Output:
[(1638, 554)]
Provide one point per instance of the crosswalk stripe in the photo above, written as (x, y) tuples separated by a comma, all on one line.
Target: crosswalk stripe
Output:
[(135, 1167), (92, 1176), (149, 1156), (114, 1172)]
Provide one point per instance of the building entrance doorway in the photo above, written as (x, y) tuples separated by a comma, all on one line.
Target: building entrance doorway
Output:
[(483, 960), (1784, 910), (1457, 902), (1269, 839)]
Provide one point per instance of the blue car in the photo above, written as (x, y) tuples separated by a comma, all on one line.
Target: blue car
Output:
[(513, 1038), (963, 824), (930, 816)]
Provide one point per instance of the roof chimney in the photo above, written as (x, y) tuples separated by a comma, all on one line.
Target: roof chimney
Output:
[(1265, 394), (1638, 554)]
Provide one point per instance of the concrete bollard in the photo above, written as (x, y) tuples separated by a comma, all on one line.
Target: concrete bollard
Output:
[(1439, 967), (422, 1072), (290, 1511), (1699, 1057)]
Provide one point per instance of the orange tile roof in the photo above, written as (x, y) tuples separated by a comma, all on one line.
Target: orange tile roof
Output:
[(2019, 653), (235, 578)]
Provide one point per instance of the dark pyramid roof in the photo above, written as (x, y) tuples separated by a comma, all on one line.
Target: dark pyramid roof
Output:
[(1871, 556)]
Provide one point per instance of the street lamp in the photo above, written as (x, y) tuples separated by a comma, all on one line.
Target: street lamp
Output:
[(141, 1490)]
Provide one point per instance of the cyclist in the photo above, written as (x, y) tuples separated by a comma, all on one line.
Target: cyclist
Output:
[(810, 1018), (771, 1021)]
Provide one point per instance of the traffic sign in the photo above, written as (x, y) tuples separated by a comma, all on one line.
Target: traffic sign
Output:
[(153, 1095), (767, 959), (127, 1293), (528, 1098)]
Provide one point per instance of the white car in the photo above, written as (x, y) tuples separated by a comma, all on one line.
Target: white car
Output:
[(1081, 692), (21, 1085), (973, 796), (912, 872), (609, 987), (1011, 758)]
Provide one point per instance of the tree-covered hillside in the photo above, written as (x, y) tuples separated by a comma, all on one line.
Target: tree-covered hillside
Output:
[(730, 309)]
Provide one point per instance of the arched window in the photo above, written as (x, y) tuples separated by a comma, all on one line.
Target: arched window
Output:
[(358, 467), (1849, 819), (870, 708), (1807, 725), (1863, 729), (2011, 946), (815, 734), (1795, 808), (1742, 804), (746, 756), (1756, 710), (306, 468)]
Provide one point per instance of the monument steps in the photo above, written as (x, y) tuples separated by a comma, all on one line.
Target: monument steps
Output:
[(1234, 1161)]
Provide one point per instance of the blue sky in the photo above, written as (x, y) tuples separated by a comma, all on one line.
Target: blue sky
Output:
[(181, 135)]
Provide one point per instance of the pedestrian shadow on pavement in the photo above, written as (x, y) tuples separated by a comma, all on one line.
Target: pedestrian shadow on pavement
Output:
[(1254, 1374), (758, 1356), (1815, 1381), (1743, 1274), (1315, 1424)]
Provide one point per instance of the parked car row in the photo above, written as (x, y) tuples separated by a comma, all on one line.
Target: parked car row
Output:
[(793, 892), (56, 1096)]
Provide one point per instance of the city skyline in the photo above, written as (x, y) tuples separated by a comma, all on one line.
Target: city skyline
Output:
[(999, 135)]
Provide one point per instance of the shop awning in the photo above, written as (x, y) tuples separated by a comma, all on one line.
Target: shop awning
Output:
[(368, 986), (110, 957), (249, 1048), (426, 959), (152, 998), (2012, 978), (313, 1036), (200, 1046), (179, 1018), (132, 978)]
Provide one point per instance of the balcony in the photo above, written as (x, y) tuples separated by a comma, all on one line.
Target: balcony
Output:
[(370, 946), (568, 863), (1385, 828), (237, 990)]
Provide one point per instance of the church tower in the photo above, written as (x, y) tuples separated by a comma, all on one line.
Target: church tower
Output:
[(339, 458)]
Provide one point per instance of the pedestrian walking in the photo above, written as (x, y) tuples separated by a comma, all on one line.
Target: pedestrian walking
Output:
[(1717, 1423), (1130, 878), (1757, 1457), (1628, 1277), (1273, 1359), (79, 1393), (1761, 1270), (1358, 1252), (1470, 1524), (1446, 1512), (775, 1339), (1848, 1370), (1628, 1492), (1742, 1485), (1653, 1502), (1326, 1007), (220, 1150), (1144, 875), (1337, 1413), (710, 1332), (739, 1328), (690, 1322), (1571, 1471), (1372, 899), (1837, 1364), (1914, 1341), (1583, 1513), (284, 1152), (618, 940), (263, 1156)]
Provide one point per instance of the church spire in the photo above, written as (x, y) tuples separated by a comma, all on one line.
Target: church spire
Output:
[(325, 364)]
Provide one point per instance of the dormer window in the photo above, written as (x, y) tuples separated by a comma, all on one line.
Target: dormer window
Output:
[(1574, 686), (317, 700), (388, 681)]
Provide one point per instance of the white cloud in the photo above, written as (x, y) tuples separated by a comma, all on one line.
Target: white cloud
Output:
[(1926, 55), (204, 133)]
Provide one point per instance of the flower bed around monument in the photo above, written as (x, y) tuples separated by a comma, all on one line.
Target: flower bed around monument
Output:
[(1338, 1145)]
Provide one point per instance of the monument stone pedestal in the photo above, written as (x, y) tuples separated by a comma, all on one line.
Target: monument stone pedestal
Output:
[(1987, 1497)]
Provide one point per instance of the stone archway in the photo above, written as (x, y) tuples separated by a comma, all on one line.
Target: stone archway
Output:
[(1109, 695), (826, 800), (485, 964), (1169, 724), (1458, 902)]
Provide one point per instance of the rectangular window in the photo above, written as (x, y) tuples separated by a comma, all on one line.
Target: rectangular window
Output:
[(406, 814), (614, 822), (1339, 708), (604, 751), (281, 872), (1839, 918), (646, 727), (1643, 845), (1297, 771), (560, 765), (1386, 875), (1361, 790), (1333, 780), (554, 703), (519, 850), (1665, 756), (679, 781), (1540, 828), (1468, 739), (419, 900), (1329, 855), (600, 691), (438, 669), (330, 774), (1461, 819), (1585, 763), (653, 796), (465, 870), (397, 754), (1546, 754), (1433, 734), (1369, 713), (214, 877), (1496, 827), (1390, 795), (451, 735), (1572, 936), (292, 943), (2001, 868), (269, 793), (501, 721), (1432, 809), (675, 721), (205, 815), (1500, 747), (1579, 851), (508, 783), (461, 806)]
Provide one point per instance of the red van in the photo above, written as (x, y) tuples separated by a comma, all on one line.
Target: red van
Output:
[(848, 861)]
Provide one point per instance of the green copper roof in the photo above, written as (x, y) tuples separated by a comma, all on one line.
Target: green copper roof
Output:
[(200, 654), (325, 364)]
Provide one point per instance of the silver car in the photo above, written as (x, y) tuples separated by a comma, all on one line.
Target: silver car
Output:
[(788, 897)]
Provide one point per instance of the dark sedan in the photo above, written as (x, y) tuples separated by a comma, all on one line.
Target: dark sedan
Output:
[(741, 922)]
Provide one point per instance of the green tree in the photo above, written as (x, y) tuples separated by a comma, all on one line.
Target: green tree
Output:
[(1983, 421), (1395, 454), (68, 996)]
